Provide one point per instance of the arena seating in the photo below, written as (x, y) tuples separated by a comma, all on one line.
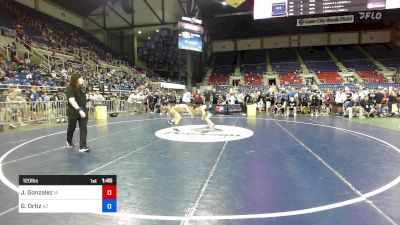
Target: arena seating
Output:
[(322, 66), (284, 60), (290, 78), (352, 58), (253, 57), (329, 77), (219, 79), (50, 33), (317, 59), (7, 19), (253, 79), (252, 88), (388, 56), (372, 77), (224, 66), (225, 58), (160, 51), (352, 87), (382, 85), (336, 87), (295, 86)]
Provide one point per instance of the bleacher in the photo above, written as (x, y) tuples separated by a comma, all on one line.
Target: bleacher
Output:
[(253, 57), (329, 77), (336, 87), (391, 63), (317, 59), (352, 87), (253, 79), (290, 78), (7, 19), (253, 62), (49, 33), (224, 66), (252, 88), (253, 69), (388, 56), (352, 58), (322, 66), (225, 58), (382, 85), (219, 79), (284, 60), (222, 89), (295, 86), (372, 77), (253, 66), (160, 51)]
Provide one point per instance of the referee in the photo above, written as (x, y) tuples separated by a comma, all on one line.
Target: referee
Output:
[(77, 112)]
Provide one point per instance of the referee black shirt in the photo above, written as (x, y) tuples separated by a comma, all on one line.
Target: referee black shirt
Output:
[(80, 98)]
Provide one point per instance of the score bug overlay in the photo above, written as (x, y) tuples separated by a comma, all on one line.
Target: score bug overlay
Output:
[(67, 193)]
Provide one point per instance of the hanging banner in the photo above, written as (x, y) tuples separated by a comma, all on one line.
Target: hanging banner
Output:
[(325, 20)]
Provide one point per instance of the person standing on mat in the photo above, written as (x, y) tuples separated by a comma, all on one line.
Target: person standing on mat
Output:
[(77, 112)]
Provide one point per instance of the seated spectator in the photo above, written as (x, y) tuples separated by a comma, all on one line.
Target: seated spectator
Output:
[(348, 104), (98, 97), (368, 106), (14, 106), (383, 110)]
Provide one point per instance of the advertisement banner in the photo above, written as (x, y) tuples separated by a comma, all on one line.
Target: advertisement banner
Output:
[(325, 20)]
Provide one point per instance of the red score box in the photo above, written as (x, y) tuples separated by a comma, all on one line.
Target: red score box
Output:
[(109, 192)]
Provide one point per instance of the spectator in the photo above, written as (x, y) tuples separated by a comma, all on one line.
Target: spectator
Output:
[(14, 106), (198, 100), (3, 99), (98, 97)]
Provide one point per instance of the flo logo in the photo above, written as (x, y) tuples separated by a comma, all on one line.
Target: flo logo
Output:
[(370, 15), (200, 133)]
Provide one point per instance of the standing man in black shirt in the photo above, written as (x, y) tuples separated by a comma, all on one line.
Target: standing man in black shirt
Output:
[(214, 97), (77, 112), (207, 97)]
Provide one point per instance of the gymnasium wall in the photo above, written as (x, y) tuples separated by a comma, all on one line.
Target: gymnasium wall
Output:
[(370, 37), (276, 42), (313, 40), (304, 40), (248, 44), (223, 46), (348, 38)]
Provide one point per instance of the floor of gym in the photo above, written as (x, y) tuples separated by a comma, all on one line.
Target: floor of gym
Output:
[(303, 170)]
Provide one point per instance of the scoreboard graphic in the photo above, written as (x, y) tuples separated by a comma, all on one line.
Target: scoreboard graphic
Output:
[(264, 9), (67, 193)]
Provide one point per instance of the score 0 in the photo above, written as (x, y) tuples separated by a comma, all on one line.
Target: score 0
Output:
[(109, 198)]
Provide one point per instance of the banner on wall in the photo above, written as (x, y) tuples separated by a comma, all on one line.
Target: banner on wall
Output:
[(325, 20), (226, 109), (172, 86)]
